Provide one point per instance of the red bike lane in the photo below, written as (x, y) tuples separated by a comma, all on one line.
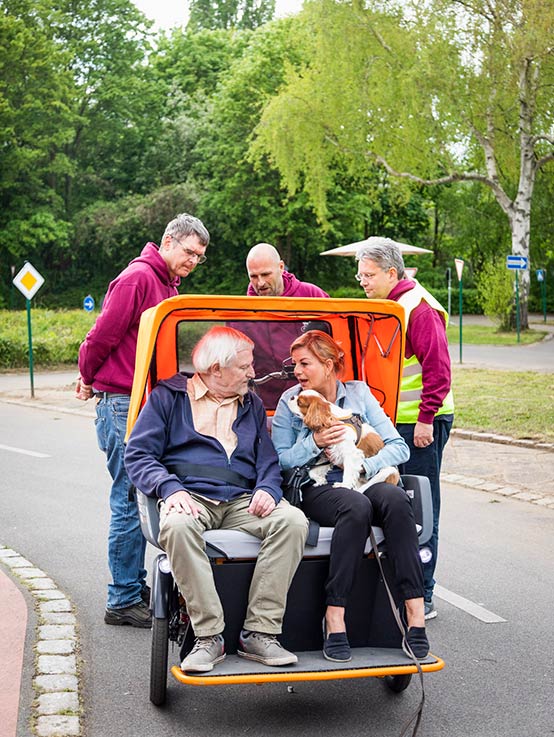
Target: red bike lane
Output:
[(13, 624)]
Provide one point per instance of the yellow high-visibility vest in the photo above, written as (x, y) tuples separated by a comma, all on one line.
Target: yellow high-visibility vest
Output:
[(411, 384)]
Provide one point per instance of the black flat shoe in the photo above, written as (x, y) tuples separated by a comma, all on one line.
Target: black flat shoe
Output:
[(418, 642), (336, 646)]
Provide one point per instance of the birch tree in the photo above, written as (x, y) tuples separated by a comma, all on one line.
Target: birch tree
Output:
[(434, 91)]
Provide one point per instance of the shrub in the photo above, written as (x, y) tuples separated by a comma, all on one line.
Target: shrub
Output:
[(495, 290), (56, 335)]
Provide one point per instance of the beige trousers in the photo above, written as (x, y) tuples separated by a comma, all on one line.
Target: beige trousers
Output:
[(283, 533)]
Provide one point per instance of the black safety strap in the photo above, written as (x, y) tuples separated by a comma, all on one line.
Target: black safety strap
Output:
[(182, 470), (416, 716), (313, 533)]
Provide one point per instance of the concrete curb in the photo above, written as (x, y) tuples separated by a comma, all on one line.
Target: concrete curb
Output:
[(57, 710), (488, 437)]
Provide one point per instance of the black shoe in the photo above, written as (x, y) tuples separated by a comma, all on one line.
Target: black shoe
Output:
[(136, 615), (145, 594), (336, 646), (418, 642)]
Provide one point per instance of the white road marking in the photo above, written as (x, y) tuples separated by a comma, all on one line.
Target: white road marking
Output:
[(24, 452), (470, 607)]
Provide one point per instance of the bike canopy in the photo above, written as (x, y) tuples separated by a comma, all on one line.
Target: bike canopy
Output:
[(370, 332)]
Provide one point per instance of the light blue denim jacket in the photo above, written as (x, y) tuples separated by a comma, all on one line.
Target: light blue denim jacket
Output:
[(294, 442)]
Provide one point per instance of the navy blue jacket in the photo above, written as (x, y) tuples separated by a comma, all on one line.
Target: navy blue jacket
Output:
[(164, 435)]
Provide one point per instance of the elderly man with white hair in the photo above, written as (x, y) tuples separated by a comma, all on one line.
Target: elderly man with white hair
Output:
[(426, 406), (201, 445)]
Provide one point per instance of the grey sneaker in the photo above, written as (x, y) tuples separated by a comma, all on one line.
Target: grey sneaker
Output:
[(206, 652), (430, 611), (136, 615), (264, 648)]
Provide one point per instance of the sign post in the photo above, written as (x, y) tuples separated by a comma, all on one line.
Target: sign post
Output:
[(12, 269), (541, 278), (459, 270), (449, 289), (29, 281), (517, 264)]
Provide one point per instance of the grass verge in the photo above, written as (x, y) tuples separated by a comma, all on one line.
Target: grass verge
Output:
[(514, 403), (486, 335)]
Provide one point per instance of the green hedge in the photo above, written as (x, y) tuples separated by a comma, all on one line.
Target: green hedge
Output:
[(57, 335), (470, 304)]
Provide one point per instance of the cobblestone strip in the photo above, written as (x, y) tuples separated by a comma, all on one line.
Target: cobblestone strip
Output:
[(511, 491), (57, 709)]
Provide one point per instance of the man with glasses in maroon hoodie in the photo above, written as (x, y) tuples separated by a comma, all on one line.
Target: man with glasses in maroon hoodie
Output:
[(106, 366)]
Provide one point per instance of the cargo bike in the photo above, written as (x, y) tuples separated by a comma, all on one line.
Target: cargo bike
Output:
[(371, 333)]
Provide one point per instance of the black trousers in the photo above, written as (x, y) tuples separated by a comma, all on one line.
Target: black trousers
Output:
[(427, 462), (352, 514)]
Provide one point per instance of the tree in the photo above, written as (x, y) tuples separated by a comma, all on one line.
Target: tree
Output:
[(74, 117), (227, 14), (115, 102), (36, 122), (434, 92)]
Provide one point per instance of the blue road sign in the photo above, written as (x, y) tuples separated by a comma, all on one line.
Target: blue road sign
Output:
[(517, 262), (88, 303), (540, 274)]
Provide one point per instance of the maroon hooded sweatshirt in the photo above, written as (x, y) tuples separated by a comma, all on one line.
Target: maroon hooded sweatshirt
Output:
[(107, 355)]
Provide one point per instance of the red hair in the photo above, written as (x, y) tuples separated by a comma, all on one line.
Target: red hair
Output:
[(322, 346)]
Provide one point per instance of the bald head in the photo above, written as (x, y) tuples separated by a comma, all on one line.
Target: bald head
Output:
[(265, 270)]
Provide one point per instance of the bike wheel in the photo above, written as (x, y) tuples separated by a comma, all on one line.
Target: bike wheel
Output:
[(158, 661), (398, 683)]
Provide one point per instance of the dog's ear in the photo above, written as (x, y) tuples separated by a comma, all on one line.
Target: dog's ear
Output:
[(314, 411)]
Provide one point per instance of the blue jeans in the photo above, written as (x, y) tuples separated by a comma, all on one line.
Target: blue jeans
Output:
[(427, 462), (126, 544)]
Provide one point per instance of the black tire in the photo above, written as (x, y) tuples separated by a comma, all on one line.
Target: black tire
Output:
[(158, 661), (398, 683)]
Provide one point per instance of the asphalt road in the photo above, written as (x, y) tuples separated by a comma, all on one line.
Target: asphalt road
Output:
[(497, 553), (517, 357)]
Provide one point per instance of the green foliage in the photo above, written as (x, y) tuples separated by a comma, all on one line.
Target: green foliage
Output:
[(106, 132), (114, 233), (496, 293), (212, 14), (470, 300), (443, 94), (56, 337), (36, 122)]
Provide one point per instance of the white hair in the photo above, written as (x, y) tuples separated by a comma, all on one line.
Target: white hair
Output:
[(219, 345)]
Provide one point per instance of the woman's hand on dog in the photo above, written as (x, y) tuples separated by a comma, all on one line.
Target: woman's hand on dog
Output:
[(330, 435)]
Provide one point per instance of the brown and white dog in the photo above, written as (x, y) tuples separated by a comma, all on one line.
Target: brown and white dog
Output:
[(361, 442)]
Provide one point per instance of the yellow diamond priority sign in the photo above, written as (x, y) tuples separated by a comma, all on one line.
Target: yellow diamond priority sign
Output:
[(28, 281)]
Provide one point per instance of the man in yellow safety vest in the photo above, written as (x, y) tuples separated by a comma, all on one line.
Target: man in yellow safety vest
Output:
[(426, 406)]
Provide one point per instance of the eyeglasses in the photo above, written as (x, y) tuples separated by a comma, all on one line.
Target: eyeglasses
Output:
[(190, 255), (369, 277)]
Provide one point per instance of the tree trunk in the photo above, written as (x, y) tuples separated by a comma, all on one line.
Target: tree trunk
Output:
[(520, 247)]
